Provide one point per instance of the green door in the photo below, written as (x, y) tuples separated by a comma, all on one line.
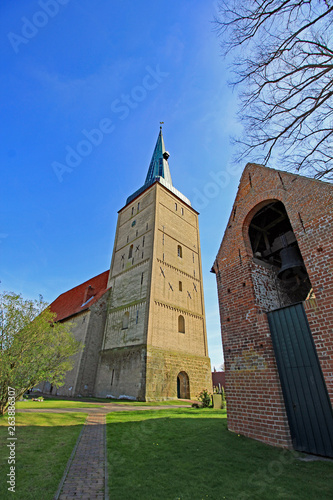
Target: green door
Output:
[(305, 394)]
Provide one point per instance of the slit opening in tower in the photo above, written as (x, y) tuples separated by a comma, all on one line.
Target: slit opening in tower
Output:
[(273, 242)]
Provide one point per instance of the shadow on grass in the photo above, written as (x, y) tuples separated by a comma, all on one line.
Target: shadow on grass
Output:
[(76, 402), (189, 454), (43, 446)]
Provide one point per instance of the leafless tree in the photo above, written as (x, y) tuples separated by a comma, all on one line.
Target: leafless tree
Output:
[(283, 61)]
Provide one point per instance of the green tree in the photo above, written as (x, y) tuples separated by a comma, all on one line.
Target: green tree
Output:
[(33, 346), (283, 62)]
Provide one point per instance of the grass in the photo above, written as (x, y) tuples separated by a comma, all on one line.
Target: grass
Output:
[(171, 402), (50, 402), (54, 403), (180, 454), (169, 454), (43, 447)]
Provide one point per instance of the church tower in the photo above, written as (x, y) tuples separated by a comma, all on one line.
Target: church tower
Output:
[(155, 341)]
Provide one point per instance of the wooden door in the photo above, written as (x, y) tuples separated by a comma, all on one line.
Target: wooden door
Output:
[(305, 394)]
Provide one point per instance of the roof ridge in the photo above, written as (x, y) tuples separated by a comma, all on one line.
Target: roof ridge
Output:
[(285, 172)]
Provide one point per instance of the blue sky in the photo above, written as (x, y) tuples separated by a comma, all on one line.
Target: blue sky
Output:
[(106, 73)]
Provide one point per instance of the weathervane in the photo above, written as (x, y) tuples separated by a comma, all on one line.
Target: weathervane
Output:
[(161, 123)]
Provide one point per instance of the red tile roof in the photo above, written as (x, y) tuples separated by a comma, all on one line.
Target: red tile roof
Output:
[(81, 297)]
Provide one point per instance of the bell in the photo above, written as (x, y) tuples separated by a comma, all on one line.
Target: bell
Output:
[(291, 263)]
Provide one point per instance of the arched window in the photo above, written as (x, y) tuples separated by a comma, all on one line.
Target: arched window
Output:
[(181, 324), (130, 252), (125, 320), (179, 251), (275, 247)]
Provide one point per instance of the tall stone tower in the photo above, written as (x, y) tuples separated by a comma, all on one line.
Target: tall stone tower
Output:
[(155, 341)]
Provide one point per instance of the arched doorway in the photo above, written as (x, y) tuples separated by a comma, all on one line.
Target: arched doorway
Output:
[(183, 386), (275, 246)]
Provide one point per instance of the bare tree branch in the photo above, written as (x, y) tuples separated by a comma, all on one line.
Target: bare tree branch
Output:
[(283, 63)]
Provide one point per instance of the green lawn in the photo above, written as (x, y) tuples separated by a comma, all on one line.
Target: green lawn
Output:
[(171, 402), (54, 403), (44, 444), (189, 454), (169, 454), (50, 402)]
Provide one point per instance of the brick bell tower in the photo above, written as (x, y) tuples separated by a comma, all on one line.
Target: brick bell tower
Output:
[(155, 341)]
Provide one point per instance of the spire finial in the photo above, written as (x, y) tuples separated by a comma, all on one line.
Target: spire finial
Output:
[(161, 123)]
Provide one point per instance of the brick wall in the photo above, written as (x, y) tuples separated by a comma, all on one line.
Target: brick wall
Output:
[(80, 324), (247, 290), (88, 328), (92, 345)]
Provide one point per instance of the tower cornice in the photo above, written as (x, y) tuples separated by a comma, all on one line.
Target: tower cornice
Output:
[(181, 198)]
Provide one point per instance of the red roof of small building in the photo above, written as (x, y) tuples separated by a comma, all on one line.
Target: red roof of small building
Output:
[(81, 297)]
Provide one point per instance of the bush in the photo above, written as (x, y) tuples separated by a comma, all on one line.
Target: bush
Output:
[(205, 398)]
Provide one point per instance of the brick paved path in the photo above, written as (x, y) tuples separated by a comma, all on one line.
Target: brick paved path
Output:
[(85, 478)]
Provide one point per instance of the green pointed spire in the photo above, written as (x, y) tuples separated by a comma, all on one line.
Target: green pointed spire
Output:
[(159, 166), (159, 171)]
